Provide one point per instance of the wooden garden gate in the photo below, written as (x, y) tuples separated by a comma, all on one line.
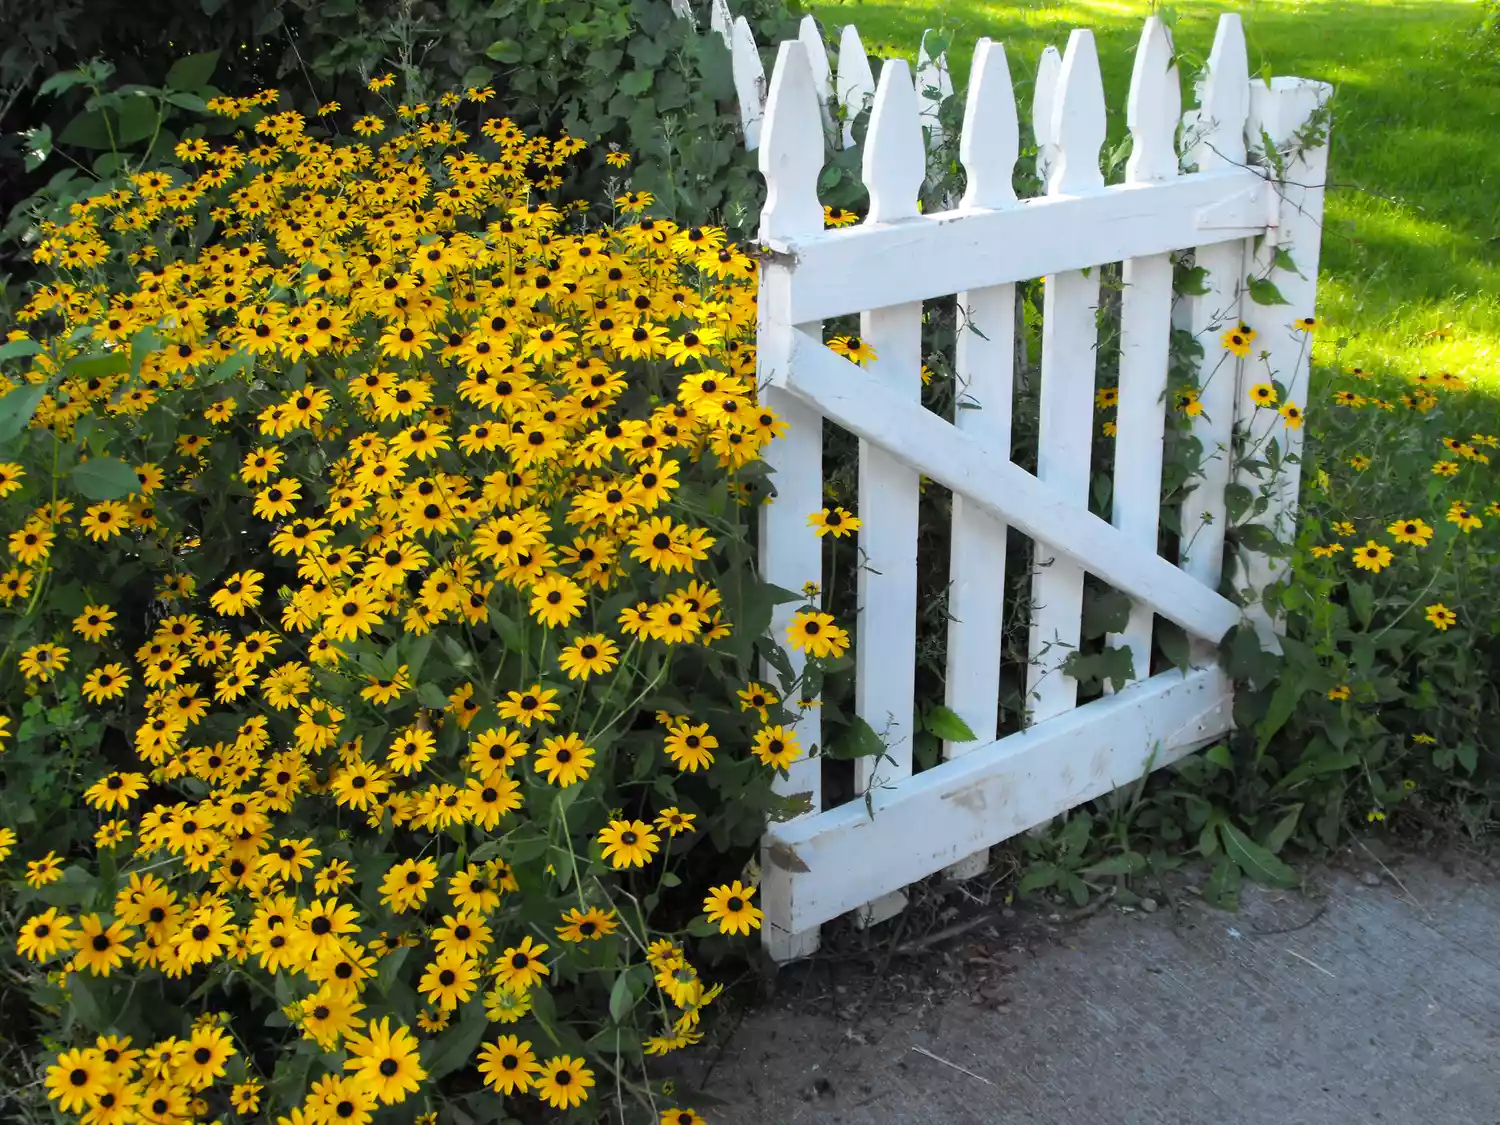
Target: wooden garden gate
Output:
[(1235, 214)]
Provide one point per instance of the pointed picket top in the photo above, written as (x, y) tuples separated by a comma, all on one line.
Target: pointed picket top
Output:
[(749, 81), (721, 21), (1078, 122), (1043, 99), (895, 161), (1224, 100), (855, 84), (1154, 107), (791, 157), (991, 139), (817, 57), (934, 86), (682, 9)]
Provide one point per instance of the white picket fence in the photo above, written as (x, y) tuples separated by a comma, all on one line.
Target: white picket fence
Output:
[(900, 826)]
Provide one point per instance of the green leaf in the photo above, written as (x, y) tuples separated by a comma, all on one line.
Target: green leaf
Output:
[(142, 344), (87, 130), (96, 366), (948, 726), (15, 349), (859, 741), (1223, 888), (105, 478), (1283, 702), (504, 51), (1255, 860), (188, 101), (1282, 832), (138, 120), (1044, 875), (1263, 291), (1362, 601), (455, 1047), (628, 989), (1127, 864), (229, 367), (18, 407), (193, 72), (636, 82)]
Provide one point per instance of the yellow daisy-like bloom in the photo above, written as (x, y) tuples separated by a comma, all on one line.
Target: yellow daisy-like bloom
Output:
[(1441, 616), (1445, 469), (852, 348), (565, 760), (587, 925), (1305, 323), (776, 746), (521, 966), (1292, 415), (95, 622), (683, 1116), (1188, 402), (508, 1065), (730, 908), (1359, 462), (1338, 693), (628, 843), (1237, 341), (1412, 531), (43, 936), (101, 946), (815, 634), (1460, 516), (588, 656), (838, 217), (1263, 394), (837, 522), (42, 662), (1373, 556), (564, 1082)]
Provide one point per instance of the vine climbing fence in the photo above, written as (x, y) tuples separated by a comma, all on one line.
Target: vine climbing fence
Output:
[(1233, 187)]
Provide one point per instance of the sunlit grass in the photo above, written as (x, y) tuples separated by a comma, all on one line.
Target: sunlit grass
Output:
[(1410, 280)]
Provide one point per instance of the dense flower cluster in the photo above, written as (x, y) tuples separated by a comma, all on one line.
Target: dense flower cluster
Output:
[(426, 486)]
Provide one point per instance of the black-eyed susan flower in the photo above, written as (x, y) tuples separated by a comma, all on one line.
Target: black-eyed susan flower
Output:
[(1373, 556), (45, 935), (816, 634), (776, 746), (1263, 394), (521, 966), (1291, 414), (508, 1065), (101, 946), (565, 760), (587, 925), (564, 1082), (1413, 531), (730, 908), (1441, 617), (1237, 341), (853, 349), (628, 843), (835, 521)]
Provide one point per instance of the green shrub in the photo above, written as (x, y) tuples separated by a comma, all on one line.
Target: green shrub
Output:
[(379, 534)]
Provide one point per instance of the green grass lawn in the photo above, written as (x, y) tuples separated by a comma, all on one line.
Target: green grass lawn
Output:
[(1411, 252)]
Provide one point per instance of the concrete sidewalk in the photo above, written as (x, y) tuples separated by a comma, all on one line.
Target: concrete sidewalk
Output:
[(1373, 997)]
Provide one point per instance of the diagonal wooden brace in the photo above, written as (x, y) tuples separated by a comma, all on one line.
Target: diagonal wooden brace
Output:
[(842, 392)]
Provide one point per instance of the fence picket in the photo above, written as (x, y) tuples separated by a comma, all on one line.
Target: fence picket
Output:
[(934, 87), (1069, 338), (894, 166), (1043, 99), (817, 57), (721, 21), (1279, 111), (855, 84), (984, 362), (790, 552), (1152, 113), (1219, 145), (749, 81)]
